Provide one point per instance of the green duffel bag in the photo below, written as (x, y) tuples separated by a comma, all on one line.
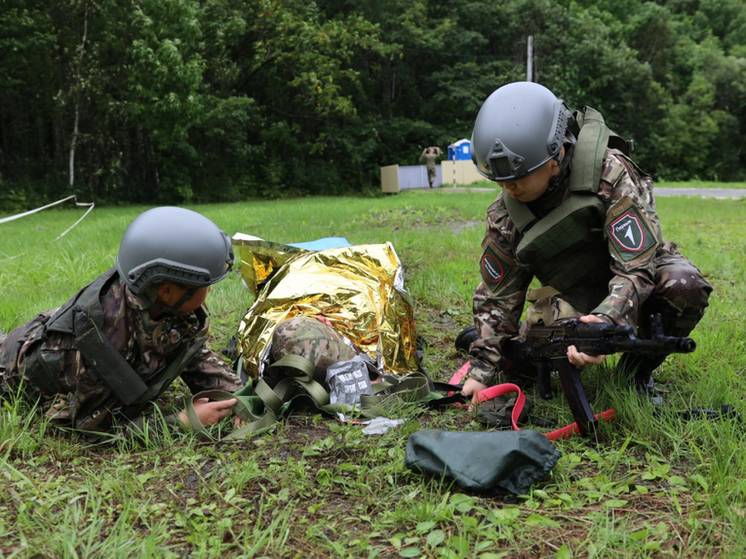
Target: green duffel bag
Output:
[(496, 462)]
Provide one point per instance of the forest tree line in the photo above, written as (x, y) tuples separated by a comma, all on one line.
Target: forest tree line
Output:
[(172, 101)]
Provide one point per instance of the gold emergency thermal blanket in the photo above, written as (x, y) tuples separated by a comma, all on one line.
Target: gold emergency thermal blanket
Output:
[(359, 289)]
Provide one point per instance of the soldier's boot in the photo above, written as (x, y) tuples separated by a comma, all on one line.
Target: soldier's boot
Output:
[(465, 338), (641, 369)]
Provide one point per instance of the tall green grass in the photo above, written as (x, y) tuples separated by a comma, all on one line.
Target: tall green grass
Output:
[(653, 486)]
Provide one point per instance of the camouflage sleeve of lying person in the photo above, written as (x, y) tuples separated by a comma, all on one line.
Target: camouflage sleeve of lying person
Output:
[(633, 232), (499, 298), (208, 371)]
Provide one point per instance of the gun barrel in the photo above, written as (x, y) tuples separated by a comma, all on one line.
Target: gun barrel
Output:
[(684, 345), (656, 346)]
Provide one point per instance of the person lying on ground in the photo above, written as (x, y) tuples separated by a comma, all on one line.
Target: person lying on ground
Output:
[(101, 359)]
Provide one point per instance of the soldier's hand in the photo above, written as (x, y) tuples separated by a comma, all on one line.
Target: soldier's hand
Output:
[(209, 412), (580, 359), (471, 388)]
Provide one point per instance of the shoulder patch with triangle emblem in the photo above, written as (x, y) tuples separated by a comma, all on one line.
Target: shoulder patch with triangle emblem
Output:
[(630, 235)]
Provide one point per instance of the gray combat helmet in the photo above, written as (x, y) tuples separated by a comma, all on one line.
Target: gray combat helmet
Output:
[(520, 127), (173, 244)]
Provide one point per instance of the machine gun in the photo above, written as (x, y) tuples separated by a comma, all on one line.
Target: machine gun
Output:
[(545, 347)]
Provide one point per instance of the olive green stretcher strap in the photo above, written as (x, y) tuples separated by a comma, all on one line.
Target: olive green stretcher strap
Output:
[(260, 406), (414, 388), (297, 369), (256, 417)]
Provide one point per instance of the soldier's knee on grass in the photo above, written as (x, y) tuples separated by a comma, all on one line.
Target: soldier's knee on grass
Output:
[(681, 296)]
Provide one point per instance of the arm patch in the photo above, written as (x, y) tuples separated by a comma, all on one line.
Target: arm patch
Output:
[(630, 235), (495, 267)]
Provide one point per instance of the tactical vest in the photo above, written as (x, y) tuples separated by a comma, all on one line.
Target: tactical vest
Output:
[(83, 318), (567, 249)]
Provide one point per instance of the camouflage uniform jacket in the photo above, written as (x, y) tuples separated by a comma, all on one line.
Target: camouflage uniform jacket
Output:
[(430, 156), (81, 400), (624, 191)]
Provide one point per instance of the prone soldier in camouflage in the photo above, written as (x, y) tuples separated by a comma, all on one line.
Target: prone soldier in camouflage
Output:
[(101, 359), (579, 215)]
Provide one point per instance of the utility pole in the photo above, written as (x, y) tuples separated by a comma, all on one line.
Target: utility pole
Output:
[(530, 59)]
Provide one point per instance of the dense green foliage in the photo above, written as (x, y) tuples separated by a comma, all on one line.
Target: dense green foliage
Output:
[(181, 100)]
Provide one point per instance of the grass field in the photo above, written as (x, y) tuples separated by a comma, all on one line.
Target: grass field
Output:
[(654, 486)]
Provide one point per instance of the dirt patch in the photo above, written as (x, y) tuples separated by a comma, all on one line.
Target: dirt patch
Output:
[(458, 227), (419, 218), (464, 189)]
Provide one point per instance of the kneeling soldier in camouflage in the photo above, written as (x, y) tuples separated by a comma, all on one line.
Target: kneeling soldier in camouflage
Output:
[(578, 214), (103, 357)]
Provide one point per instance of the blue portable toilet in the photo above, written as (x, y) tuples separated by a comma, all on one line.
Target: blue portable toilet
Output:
[(460, 151)]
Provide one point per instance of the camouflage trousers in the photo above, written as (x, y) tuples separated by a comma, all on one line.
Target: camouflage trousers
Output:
[(10, 346), (10, 343), (431, 174), (680, 296), (313, 339)]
